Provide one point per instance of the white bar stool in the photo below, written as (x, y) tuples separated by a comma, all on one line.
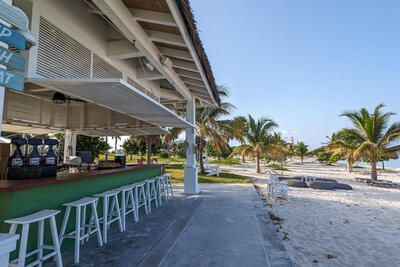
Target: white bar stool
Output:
[(80, 233), (8, 243), (128, 203), (151, 192), (110, 213), (141, 197), (168, 182), (25, 221), (161, 189)]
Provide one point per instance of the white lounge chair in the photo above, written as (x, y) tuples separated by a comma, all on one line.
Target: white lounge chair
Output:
[(213, 170), (276, 188)]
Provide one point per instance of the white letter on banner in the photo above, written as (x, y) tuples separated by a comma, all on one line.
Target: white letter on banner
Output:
[(5, 32), (4, 57), (8, 77)]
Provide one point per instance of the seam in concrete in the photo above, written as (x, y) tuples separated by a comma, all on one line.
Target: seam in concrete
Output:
[(200, 202), (258, 228), (278, 255), (160, 249)]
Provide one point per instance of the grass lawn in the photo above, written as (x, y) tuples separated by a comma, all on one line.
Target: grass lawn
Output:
[(136, 157), (277, 167), (225, 161), (176, 171)]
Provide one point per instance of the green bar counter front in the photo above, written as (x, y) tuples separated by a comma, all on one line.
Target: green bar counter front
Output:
[(23, 197)]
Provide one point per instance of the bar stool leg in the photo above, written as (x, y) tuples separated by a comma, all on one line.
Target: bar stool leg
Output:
[(64, 224), (40, 240), (118, 213), (105, 217), (137, 202), (77, 234), (56, 243), (96, 221), (123, 208), (23, 244), (142, 194), (159, 191), (155, 193), (148, 197), (83, 223), (133, 202)]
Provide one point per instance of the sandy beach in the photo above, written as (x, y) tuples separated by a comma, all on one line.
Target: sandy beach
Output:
[(360, 227)]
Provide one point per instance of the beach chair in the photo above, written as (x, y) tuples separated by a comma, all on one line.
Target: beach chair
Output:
[(276, 188), (139, 161), (213, 170)]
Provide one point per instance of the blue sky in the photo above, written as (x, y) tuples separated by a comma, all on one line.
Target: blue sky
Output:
[(304, 62)]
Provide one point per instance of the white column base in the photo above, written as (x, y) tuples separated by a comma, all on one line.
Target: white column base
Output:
[(191, 180), (8, 243)]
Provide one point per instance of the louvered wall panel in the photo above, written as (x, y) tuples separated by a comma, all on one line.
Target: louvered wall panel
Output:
[(96, 116), (75, 122), (60, 116), (59, 55), (104, 70), (17, 108)]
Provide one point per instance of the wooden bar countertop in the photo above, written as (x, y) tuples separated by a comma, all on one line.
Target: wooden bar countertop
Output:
[(15, 185)]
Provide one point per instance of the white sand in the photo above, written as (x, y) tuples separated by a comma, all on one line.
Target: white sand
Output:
[(360, 227)]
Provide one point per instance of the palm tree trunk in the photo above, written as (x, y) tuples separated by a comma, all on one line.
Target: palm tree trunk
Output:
[(243, 160), (302, 159), (106, 156), (131, 156), (383, 165), (202, 170), (374, 174), (258, 164), (148, 151)]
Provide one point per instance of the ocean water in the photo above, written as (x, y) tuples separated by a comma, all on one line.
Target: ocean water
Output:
[(391, 163)]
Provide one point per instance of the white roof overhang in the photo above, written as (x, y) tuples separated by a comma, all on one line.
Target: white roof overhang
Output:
[(117, 95)]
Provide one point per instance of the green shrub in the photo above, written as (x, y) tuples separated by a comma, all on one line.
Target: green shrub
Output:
[(277, 167), (163, 154)]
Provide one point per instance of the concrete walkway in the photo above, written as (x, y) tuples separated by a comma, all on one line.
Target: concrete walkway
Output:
[(225, 225)]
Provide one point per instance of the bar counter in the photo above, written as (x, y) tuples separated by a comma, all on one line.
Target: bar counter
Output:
[(23, 197), (15, 185)]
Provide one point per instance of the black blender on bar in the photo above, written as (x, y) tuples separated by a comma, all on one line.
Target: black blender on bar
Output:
[(50, 160), (16, 161), (33, 168)]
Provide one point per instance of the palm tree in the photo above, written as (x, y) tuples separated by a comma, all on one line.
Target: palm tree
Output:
[(210, 127), (170, 137), (150, 140), (340, 144), (371, 135), (258, 140), (237, 129), (301, 150)]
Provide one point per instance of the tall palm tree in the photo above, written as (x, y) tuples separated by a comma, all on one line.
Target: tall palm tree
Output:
[(372, 136), (301, 150), (258, 142), (237, 129), (170, 137), (210, 127), (150, 140)]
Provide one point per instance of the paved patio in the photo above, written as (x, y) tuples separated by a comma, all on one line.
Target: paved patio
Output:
[(225, 225)]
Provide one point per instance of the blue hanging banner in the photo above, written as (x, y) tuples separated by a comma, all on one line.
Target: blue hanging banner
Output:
[(11, 80), (11, 59), (11, 37)]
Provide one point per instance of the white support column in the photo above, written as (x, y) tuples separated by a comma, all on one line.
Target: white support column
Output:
[(2, 89), (69, 144), (191, 171)]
